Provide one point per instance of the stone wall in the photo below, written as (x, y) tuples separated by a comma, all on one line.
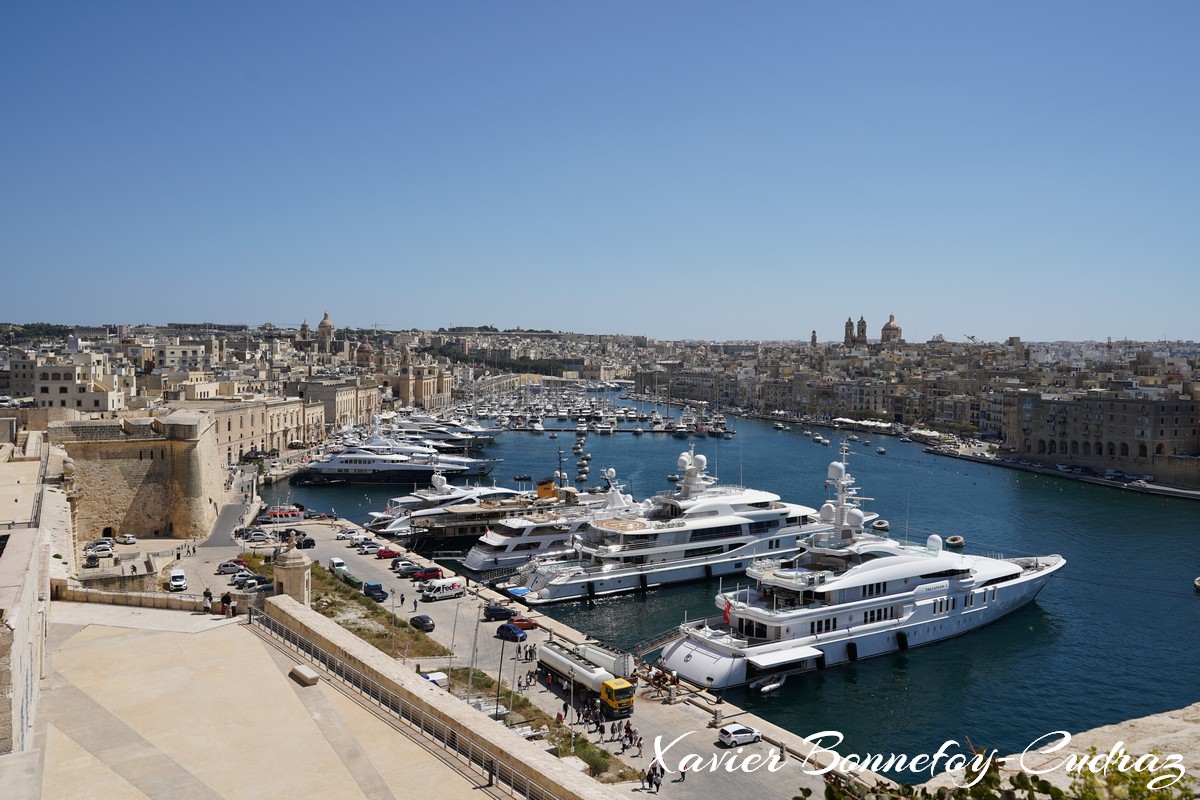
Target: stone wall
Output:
[(150, 477), (24, 599)]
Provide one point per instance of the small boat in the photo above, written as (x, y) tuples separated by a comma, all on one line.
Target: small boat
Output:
[(673, 478), (768, 683), (553, 435), (880, 526), (1196, 583), (881, 450), (955, 541)]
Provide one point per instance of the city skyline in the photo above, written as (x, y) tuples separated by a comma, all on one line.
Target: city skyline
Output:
[(680, 171)]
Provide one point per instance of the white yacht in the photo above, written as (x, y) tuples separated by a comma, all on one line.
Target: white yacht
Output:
[(849, 595), (440, 494), (356, 465), (512, 541), (698, 530)]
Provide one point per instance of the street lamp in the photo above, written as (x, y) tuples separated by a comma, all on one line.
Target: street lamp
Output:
[(499, 675), (393, 622), (571, 677)]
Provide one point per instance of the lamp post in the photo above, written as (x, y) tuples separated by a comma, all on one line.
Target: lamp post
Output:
[(393, 622), (571, 677), (499, 675)]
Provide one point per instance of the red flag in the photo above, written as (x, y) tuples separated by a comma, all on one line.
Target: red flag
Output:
[(728, 607)]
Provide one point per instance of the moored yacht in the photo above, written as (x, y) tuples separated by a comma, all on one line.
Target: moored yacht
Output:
[(849, 595), (512, 541), (698, 530)]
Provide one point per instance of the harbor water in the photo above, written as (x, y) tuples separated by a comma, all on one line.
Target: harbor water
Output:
[(1111, 638)]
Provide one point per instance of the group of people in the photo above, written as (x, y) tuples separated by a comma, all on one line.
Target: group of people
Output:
[(228, 604), (652, 779)]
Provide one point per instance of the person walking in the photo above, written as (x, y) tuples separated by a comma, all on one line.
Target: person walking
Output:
[(402, 599), (207, 602), (657, 782), (682, 773), (643, 778)]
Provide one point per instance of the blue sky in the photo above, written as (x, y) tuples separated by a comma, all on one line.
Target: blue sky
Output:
[(674, 169)]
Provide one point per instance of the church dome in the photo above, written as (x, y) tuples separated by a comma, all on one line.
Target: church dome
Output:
[(365, 347), (326, 324), (891, 323)]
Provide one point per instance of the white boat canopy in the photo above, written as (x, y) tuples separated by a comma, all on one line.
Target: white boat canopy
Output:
[(781, 657)]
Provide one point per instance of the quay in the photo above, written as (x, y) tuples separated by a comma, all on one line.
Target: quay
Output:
[(1143, 488)]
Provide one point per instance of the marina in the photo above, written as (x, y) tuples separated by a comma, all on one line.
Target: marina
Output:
[(1074, 659)]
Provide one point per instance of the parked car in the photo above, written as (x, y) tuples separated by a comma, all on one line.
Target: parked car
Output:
[(239, 577), (258, 536), (247, 581), (387, 552), (408, 570), (102, 551), (397, 563), (126, 538), (369, 548), (231, 567), (375, 591), (178, 581), (524, 623), (91, 560), (306, 543), (346, 533), (498, 613), (734, 735), (106, 541), (427, 574), (511, 633), (422, 623)]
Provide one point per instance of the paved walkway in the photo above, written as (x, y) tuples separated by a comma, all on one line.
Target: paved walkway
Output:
[(145, 703)]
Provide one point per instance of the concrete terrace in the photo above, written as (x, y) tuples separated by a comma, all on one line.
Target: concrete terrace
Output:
[(142, 703)]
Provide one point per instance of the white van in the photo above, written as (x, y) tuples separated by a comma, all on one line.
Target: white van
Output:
[(444, 589), (177, 581)]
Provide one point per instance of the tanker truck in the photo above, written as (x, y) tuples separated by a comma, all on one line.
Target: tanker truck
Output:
[(595, 668)]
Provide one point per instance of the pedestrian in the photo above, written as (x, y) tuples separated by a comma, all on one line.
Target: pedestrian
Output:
[(682, 772), (639, 747), (133, 569), (612, 732), (657, 782), (208, 604), (402, 599), (414, 605), (233, 607), (566, 708), (643, 779)]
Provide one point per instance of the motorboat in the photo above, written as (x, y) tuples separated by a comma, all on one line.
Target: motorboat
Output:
[(847, 595), (396, 516), (512, 541), (698, 530)]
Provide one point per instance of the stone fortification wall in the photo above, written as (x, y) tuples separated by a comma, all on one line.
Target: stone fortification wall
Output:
[(485, 735), (24, 599), (151, 477)]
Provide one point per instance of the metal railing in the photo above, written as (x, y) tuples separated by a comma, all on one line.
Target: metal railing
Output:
[(455, 746)]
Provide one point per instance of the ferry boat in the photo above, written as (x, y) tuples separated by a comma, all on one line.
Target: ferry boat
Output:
[(512, 541), (849, 595), (698, 530)]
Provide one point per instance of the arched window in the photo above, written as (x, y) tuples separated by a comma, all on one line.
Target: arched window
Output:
[(1087, 448), (1141, 449), (1160, 449), (1074, 447), (1053, 447), (1124, 448)]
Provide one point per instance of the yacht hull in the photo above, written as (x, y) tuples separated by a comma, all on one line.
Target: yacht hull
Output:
[(707, 658)]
